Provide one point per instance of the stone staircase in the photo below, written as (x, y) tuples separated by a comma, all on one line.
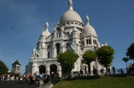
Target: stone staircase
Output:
[(48, 85), (15, 84)]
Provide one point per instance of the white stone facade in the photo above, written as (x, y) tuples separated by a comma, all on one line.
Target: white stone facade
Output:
[(69, 34)]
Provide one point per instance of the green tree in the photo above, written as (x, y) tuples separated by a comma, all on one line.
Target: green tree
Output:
[(105, 56), (125, 59), (88, 57), (3, 68), (67, 60), (130, 51)]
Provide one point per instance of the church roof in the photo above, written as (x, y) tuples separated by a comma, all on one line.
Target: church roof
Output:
[(70, 15), (16, 62)]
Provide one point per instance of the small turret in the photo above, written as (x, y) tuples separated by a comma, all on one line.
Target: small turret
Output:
[(88, 29), (16, 67), (41, 43), (46, 32)]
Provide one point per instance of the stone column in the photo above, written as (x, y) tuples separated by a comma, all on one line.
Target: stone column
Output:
[(48, 69), (53, 51), (87, 70), (33, 69), (62, 47), (85, 43), (59, 71), (45, 52), (96, 63), (55, 36), (92, 40)]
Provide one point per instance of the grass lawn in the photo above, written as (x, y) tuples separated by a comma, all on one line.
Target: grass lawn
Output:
[(103, 82)]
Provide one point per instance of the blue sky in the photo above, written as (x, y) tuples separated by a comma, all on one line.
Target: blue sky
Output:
[(113, 21)]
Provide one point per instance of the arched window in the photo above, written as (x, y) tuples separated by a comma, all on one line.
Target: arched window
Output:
[(58, 33), (42, 69), (67, 23), (48, 52), (82, 42), (94, 41), (68, 47), (57, 48), (80, 35), (53, 68), (89, 41), (72, 22)]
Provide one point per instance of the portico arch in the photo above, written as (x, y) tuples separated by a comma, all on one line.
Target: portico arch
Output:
[(42, 69), (53, 68)]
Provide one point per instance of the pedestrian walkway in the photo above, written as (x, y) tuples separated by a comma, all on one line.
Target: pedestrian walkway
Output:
[(48, 85), (16, 84)]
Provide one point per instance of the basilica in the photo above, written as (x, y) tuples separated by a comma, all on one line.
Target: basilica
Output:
[(70, 34)]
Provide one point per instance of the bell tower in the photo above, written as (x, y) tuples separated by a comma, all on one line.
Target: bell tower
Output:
[(16, 67)]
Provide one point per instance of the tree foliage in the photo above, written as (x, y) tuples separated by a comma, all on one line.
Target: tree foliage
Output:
[(3, 68), (88, 57), (125, 59), (67, 60), (105, 56), (130, 51)]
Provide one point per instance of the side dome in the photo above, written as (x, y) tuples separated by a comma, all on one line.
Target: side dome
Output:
[(88, 29), (70, 15)]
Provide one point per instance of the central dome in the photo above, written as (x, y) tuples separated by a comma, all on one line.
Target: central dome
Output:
[(70, 15)]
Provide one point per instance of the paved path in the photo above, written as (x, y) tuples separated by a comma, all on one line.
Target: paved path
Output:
[(16, 84), (48, 85)]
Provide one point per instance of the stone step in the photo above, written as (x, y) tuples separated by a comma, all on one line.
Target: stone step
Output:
[(16, 84)]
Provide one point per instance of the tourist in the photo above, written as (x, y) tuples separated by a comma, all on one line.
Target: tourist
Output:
[(113, 68), (8, 77), (52, 77), (81, 73), (94, 71), (48, 78), (21, 79), (121, 71), (0, 77), (102, 71)]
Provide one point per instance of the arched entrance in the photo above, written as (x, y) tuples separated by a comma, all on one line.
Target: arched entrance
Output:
[(53, 68), (42, 69)]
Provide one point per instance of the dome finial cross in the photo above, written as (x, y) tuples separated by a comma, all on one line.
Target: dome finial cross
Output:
[(46, 26), (87, 19), (70, 5)]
